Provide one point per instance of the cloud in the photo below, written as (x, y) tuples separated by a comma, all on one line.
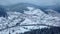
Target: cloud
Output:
[(37, 2)]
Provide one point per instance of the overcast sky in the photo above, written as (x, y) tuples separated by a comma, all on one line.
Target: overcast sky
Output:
[(37, 2)]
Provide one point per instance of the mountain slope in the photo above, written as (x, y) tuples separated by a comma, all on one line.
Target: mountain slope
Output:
[(31, 18)]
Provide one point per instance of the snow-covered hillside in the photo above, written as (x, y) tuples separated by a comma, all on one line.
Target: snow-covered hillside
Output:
[(34, 18)]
